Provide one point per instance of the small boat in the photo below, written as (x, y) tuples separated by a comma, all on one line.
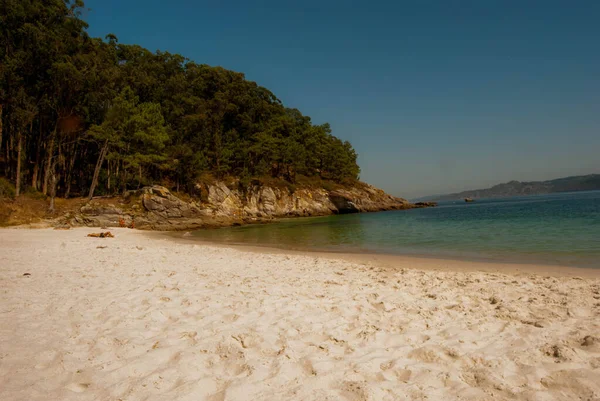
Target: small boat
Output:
[(469, 200)]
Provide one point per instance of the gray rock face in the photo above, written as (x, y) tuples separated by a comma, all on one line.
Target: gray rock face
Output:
[(268, 201), (92, 209), (97, 215), (105, 220), (157, 208), (218, 193), (224, 202), (158, 200)]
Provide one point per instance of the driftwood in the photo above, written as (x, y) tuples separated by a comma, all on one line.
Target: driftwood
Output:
[(106, 234)]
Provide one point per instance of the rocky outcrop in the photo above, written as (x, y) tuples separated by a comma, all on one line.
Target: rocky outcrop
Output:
[(157, 208), (96, 214), (418, 205), (159, 201)]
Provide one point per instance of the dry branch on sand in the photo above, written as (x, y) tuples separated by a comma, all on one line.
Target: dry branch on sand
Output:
[(106, 234)]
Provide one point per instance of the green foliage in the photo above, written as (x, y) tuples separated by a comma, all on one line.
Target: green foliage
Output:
[(327, 186), (291, 187), (7, 189), (97, 112), (245, 181), (34, 194)]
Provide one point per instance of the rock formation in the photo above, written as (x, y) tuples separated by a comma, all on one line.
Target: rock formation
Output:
[(157, 208)]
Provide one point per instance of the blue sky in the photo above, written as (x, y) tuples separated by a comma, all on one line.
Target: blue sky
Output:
[(436, 96)]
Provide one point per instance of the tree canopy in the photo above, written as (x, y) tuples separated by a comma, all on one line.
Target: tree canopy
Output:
[(82, 115)]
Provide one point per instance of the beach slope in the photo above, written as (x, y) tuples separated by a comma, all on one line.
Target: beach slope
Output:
[(139, 317)]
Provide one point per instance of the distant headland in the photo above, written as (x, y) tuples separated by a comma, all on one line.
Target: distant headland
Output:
[(588, 182)]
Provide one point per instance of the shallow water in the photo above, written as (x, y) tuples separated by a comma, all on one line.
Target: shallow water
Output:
[(556, 229)]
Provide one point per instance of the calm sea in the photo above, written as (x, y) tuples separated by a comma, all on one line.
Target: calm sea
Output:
[(558, 229)]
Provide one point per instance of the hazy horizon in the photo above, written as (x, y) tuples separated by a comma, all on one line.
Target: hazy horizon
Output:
[(436, 98)]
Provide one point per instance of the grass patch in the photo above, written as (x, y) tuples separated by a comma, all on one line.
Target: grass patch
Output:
[(28, 209)]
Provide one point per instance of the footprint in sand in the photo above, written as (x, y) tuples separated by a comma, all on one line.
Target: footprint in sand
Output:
[(78, 387), (355, 391), (308, 367), (403, 375), (387, 365)]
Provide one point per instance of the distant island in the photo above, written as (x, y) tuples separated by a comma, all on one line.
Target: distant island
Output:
[(588, 182)]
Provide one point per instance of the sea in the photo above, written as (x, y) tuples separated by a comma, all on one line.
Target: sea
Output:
[(559, 229)]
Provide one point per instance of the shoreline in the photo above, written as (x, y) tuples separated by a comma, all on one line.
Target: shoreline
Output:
[(394, 261)]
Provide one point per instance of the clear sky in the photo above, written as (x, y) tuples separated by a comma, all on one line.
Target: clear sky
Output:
[(436, 96)]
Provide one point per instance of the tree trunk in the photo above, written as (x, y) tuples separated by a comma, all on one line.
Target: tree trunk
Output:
[(117, 177), (82, 177), (140, 176), (52, 186), (49, 154), (108, 176), (1, 128), (36, 166), (18, 179), (125, 178), (69, 178), (53, 181), (10, 152), (97, 169), (7, 161)]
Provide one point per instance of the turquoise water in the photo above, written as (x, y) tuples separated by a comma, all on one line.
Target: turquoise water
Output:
[(558, 229)]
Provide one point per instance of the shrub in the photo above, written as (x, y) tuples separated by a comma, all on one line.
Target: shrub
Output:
[(244, 182), (34, 194), (7, 189), (291, 187), (328, 186)]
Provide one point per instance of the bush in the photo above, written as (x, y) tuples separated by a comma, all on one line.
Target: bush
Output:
[(327, 186), (34, 194), (244, 182), (304, 181), (7, 189), (291, 187)]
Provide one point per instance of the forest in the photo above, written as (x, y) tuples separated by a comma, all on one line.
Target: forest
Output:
[(84, 116)]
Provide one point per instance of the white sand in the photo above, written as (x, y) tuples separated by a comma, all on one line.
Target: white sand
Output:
[(150, 319)]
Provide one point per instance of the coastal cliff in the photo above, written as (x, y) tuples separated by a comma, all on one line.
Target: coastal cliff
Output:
[(156, 208)]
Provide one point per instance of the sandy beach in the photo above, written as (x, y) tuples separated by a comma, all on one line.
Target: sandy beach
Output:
[(145, 317)]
